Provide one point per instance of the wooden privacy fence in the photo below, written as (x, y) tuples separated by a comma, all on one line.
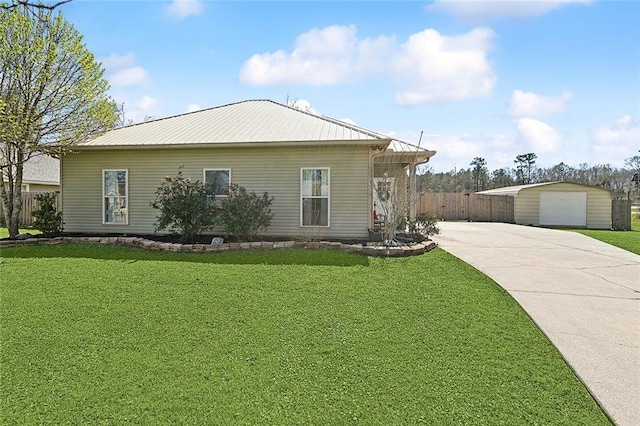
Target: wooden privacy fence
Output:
[(473, 207), (29, 203)]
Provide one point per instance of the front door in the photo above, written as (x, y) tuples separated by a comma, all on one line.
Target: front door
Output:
[(383, 196)]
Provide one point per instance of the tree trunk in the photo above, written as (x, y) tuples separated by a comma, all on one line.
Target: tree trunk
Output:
[(12, 198), (12, 223)]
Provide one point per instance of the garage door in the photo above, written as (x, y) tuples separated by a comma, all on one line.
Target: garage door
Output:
[(563, 208)]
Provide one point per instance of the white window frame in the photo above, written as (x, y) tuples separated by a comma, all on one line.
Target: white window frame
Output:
[(104, 197), (204, 179), (303, 197)]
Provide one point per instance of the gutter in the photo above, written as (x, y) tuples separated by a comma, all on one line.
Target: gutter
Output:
[(235, 145)]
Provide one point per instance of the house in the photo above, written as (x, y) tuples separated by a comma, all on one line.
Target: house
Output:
[(41, 173), (319, 170), (559, 204)]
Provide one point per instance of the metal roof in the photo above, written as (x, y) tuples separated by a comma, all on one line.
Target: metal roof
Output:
[(401, 151), (404, 147), (41, 169), (253, 121), (514, 190)]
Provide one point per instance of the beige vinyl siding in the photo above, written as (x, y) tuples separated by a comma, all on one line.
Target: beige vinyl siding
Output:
[(599, 209), (37, 187), (527, 204), (526, 207), (275, 170)]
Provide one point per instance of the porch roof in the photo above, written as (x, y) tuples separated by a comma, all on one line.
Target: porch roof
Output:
[(404, 152)]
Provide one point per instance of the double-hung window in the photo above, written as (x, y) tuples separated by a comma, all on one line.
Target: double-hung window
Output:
[(115, 197), (219, 179), (314, 197)]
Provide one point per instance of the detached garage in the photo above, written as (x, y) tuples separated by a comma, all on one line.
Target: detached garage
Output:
[(559, 204)]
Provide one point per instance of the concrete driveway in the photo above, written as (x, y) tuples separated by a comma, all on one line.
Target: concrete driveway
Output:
[(582, 293)]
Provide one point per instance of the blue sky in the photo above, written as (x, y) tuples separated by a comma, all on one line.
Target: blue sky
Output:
[(479, 78)]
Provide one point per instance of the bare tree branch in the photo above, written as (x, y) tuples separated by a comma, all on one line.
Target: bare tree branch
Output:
[(34, 4)]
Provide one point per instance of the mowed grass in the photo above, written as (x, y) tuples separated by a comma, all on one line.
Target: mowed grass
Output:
[(4, 232), (628, 240), (105, 334)]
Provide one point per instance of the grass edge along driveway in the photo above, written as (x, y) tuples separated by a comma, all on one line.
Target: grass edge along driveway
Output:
[(106, 334), (626, 240)]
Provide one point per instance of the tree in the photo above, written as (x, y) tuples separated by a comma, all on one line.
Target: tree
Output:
[(52, 95), (559, 172), (525, 166), (298, 104), (32, 4), (479, 172), (634, 164), (501, 177), (393, 203), (395, 199), (123, 120)]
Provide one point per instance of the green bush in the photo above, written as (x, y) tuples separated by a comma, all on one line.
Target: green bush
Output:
[(47, 217), (424, 224), (245, 214), (186, 208)]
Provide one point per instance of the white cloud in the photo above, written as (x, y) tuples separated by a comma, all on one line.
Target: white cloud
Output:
[(117, 62), (321, 57), (434, 68), (145, 107), (181, 9), (529, 104), (147, 103), (127, 77), (193, 107), (618, 141), (457, 151), (303, 105), (462, 149), (501, 142), (486, 10), (428, 67), (122, 70), (538, 136)]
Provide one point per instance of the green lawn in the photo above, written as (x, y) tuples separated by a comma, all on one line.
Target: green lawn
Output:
[(4, 232), (105, 334), (628, 240)]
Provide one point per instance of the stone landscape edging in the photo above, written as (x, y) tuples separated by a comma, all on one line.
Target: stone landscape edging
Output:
[(365, 249)]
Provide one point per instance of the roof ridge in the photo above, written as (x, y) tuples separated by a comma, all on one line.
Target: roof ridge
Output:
[(331, 120)]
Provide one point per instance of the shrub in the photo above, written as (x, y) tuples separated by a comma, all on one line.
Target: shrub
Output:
[(47, 217), (424, 224), (245, 214), (186, 208)]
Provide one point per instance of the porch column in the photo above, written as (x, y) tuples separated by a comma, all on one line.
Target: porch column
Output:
[(413, 195)]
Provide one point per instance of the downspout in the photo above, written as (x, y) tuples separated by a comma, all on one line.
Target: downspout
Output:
[(60, 203)]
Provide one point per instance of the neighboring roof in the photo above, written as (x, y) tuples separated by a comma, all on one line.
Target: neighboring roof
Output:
[(514, 190), (247, 122), (41, 169)]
